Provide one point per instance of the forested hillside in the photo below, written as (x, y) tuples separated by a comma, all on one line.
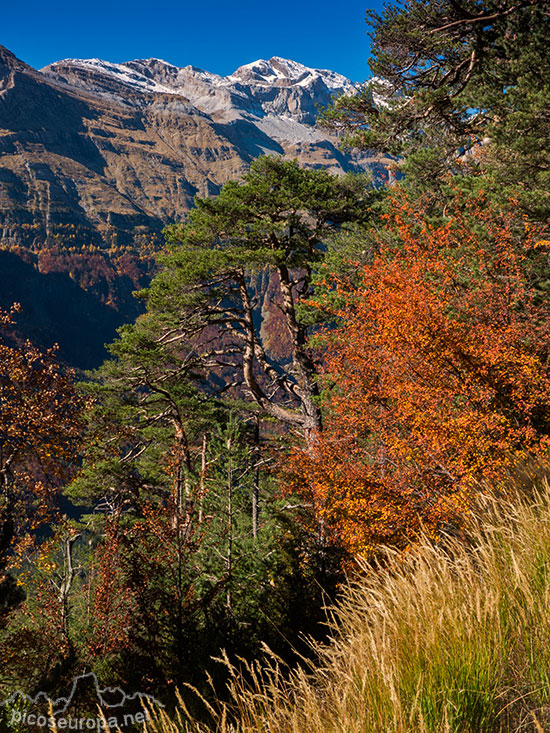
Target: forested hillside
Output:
[(331, 381)]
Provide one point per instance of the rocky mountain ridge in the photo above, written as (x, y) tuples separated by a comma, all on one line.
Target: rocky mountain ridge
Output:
[(246, 84), (96, 157)]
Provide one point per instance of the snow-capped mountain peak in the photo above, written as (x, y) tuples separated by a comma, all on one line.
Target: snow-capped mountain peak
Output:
[(159, 76), (264, 88), (126, 73), (278, 69)]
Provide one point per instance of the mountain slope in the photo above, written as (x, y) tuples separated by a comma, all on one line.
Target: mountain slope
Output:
[(95, 157)]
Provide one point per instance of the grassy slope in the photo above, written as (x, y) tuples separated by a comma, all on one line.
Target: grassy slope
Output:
[(454, 638)]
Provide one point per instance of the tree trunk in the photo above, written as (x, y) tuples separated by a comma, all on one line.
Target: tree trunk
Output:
[(303, 364), (256, 486), (65, 589), (229, 559)]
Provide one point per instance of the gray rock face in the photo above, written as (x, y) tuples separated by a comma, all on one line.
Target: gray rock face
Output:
[(118, 147), (95, 157), (276, 87)]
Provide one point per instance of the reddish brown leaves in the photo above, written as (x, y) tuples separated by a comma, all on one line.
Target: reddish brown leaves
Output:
[(441, 374), (40, 431)]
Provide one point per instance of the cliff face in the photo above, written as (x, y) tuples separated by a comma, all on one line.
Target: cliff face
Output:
[(95, 158)]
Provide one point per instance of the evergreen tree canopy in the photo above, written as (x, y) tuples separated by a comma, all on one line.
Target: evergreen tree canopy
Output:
[(452, 74), (275, 221)]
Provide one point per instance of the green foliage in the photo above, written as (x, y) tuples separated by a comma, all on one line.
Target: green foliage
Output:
[(279, 214), (142, 395), (274, 222), (454, 76)]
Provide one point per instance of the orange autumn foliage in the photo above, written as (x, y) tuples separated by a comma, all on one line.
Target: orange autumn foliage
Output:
[(437, 376), (40, 434)]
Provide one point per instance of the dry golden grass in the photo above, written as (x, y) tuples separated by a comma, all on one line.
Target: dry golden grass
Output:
[(454, 638)]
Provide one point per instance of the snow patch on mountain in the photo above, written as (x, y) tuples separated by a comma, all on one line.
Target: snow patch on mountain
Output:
[(280, 96), (286, 129), (144, 74), (278, 69), (119, 72)]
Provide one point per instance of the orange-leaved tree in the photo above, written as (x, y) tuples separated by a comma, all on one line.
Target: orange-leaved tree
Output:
[(437, 375), (40, 430)]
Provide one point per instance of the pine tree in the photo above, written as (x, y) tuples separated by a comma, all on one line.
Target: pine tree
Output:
[(453, 77), (277, 219)]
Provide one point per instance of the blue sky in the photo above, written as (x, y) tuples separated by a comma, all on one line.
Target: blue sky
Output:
[(217, 36)]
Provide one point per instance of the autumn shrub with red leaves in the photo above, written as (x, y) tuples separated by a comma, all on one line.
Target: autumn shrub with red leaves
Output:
[(437, 374), (41, 431)]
